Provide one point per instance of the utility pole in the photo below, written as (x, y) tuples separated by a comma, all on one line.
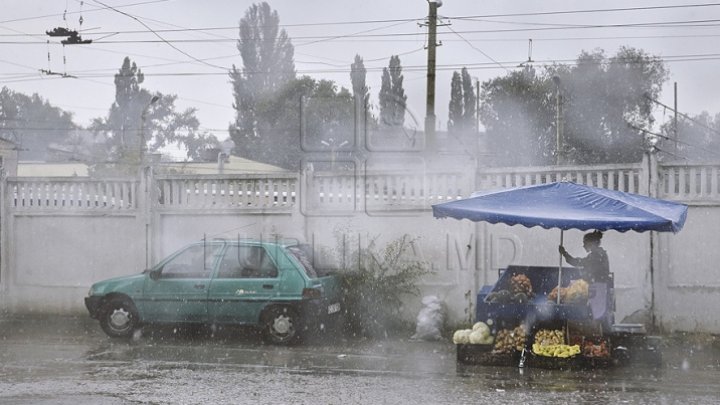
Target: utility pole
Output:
[(430, 105)]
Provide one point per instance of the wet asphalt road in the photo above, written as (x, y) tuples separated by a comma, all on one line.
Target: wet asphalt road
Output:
[(67, 360)]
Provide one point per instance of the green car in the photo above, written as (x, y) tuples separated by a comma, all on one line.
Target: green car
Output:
[(242, 282)]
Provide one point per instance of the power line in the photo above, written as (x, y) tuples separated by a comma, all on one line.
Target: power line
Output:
[(712, 152), (379, 21), (477, 65), (359, 33), (78, 12), (477, 49), (597, 10), (161, 38), (687, 117), (365, 34)]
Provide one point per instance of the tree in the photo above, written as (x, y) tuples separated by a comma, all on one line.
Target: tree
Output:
[(606, 99), (461, 116), (603, 100), (455, 108), (324, 112), (358, 74), (361, 93), (33, 123), (268, 68), (392, 96), (140, 121), (469, 99), (518, 113)]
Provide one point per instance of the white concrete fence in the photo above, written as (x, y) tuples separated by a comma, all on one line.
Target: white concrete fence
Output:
[(59, 235)]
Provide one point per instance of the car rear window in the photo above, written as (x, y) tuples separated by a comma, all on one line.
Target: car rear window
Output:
[(304, 259)]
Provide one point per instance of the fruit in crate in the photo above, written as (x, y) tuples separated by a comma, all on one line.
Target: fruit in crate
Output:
[(508, 340), (520, 283), (592, 349), (577, 291), (561, 351), (547, 337)]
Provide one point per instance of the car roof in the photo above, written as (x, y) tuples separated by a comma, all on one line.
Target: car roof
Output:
[(250, 242)]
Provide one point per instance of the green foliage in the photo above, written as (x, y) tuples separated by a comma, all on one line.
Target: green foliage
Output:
[(141, 122), (268, 72), (392, 96), (319, 110), (518, 113), (469, 101), (33, 123), (278, 116), (461, 117), (455, 108), (358, 74), (600, 97), (374, 284)]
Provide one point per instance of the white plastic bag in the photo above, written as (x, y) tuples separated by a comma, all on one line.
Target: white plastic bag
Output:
[(430, 319)]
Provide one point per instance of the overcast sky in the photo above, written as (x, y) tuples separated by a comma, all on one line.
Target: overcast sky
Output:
[(328, 33)]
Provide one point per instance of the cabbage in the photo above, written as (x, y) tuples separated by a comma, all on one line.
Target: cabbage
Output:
[(487, 340), (482, 327), (462, 336), (476, 337)]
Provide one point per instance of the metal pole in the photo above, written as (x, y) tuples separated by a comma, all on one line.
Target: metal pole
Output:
[(558, 130), (560, 269), (142, 127)]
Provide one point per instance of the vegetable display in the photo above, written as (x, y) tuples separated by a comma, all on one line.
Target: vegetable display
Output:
[(590, 349), (520, 283), (508, 340), (479, 335), (562, 351), (576, 292), (547, 337), (519, 292)]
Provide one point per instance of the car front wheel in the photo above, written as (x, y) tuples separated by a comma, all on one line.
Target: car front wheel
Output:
[(282, 325), (119, 318)]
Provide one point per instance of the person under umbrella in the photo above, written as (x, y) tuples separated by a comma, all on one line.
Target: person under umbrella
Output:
[(595, 265)]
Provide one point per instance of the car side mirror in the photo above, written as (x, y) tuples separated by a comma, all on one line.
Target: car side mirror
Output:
[(155, 274)]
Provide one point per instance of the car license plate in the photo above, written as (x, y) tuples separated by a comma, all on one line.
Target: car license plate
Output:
[(332, 308)]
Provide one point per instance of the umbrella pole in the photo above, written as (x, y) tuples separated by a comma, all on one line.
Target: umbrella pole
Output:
[(560, 268)]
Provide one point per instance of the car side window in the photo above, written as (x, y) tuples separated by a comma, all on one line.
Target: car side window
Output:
[(193, 262), (247, 262)]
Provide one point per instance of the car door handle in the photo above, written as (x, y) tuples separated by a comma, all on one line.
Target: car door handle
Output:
[(199, 286), (268, 286)]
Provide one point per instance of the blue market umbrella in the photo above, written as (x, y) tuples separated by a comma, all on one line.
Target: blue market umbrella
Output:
[(567, 205)]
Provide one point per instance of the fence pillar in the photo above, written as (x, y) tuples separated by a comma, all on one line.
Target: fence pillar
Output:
[(144, 200), (4, 201)]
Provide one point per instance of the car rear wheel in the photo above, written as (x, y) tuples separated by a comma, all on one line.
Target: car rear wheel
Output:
[(281, 325), (119, 318)]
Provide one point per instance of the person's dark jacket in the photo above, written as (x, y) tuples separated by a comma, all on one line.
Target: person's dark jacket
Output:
[(595, 265)]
